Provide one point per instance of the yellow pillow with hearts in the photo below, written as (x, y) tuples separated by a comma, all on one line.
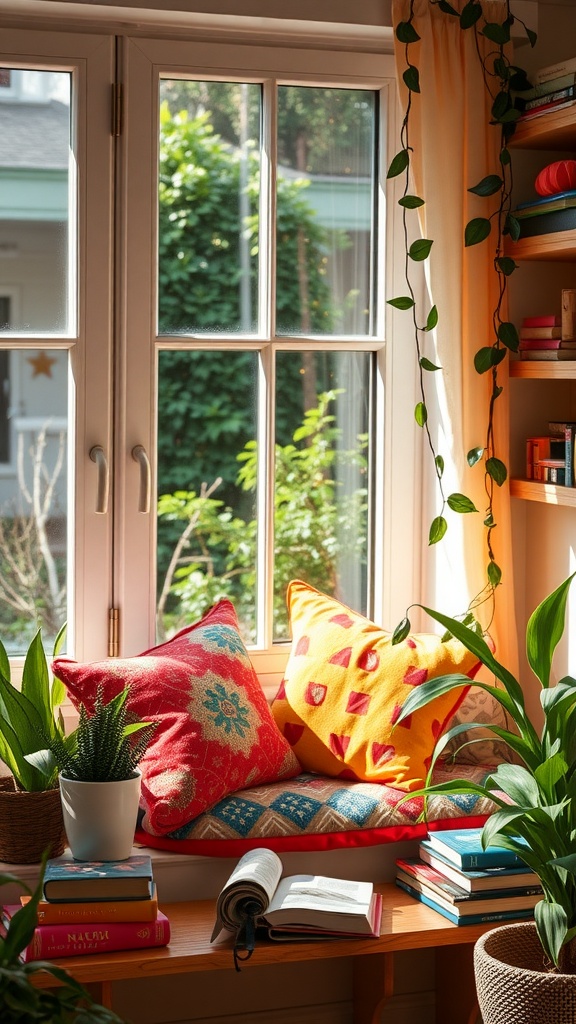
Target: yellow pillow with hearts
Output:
[(345, 684)]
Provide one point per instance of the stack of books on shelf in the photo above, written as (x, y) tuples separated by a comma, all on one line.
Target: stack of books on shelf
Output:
[(550, 457), (546, 214), (554, 88), (455, 876), (95, 907), (544, 337)]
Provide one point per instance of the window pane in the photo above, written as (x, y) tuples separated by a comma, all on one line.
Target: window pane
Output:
[(33, 497), (35, 201), (325, 200), (208, 204), (321, 501), (206, 486)]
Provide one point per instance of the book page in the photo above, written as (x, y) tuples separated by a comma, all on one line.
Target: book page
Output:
[(248, 890), (317, 892)]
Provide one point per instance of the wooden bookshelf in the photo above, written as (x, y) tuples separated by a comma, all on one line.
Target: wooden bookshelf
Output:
[(543, 369), (550, 494)]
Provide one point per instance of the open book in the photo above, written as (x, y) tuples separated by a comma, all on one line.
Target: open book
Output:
[(299, 906)]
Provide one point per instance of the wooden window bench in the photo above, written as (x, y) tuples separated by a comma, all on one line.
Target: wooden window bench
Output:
[(406, 925)]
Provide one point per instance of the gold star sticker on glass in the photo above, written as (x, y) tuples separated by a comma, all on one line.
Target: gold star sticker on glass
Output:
[(41, 364)]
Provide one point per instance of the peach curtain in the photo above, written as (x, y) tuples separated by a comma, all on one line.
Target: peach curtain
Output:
[(454, 148)]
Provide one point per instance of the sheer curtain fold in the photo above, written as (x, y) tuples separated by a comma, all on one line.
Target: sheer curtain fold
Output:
[(454, 147)]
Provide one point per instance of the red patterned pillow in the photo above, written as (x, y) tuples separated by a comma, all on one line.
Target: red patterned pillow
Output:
[(216, 733)]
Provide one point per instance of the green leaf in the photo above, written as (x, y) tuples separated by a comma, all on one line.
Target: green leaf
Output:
[(507, 334), (501, 104), (494, 573), (471, 12), (447, 8), (439, 461), (532, 37), (401, 632), (399, 163), (410, 202), (402, 302), (488, 186), (497, 33), (510, 117), (497, 470), (438, 528), (501, 69), (544, 631), (487, 357), (432, 319), (420, 249), (505, 156), (406, 33), (474, 456), (411, 78), (489, 521), (427, 365), (420, 414), (512, 227), (507, 265), (551, 925), (460, 503), (476, 231)]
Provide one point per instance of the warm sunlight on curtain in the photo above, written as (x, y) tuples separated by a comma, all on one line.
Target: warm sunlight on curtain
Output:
[(454, 148)]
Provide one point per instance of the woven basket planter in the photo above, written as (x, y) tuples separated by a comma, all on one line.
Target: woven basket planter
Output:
[(29, 823), (512, 983)]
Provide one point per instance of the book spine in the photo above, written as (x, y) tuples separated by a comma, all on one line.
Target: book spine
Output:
[(528, 343), (92, 913), (558, 105), (498, 915), (539, 101), (543, 88), (61, 940), (542, 321), (568, 313), (569, 456), (548, 74), (546, 333)]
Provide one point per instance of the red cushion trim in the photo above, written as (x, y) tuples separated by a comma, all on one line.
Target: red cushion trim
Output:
[(320, 841)]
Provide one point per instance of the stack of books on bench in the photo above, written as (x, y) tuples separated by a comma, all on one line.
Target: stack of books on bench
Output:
[(95, 907), (455, 876)]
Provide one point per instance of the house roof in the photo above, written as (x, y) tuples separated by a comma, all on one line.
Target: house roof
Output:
[(34, 135)]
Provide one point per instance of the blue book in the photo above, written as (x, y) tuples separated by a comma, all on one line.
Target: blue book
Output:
[(463, 847), (482, 918), (67, 880)]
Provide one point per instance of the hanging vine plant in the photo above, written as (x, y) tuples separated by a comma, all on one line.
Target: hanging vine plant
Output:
[(502, 79)]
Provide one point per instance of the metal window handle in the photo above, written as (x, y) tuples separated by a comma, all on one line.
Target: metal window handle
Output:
[(97, 455), (139, 455)]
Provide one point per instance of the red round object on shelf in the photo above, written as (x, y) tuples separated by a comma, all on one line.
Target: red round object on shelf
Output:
[(557, 177)]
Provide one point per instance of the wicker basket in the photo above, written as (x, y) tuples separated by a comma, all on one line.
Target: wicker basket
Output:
[(29, 823), (512, 983)]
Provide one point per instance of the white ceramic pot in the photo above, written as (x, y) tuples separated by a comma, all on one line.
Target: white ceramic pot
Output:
[(100, 817)]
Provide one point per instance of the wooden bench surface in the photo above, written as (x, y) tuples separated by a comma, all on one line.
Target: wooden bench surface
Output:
[(406, 924)]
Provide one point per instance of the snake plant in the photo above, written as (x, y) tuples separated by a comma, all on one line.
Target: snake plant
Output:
[(535, 797)]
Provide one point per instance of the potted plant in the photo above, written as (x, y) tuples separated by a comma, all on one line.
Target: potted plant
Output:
[(21, 1000), (535, 814), (99, 778), (30, 807)]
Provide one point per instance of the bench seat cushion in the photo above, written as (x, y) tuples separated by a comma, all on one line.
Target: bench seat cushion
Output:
[(315, 812)]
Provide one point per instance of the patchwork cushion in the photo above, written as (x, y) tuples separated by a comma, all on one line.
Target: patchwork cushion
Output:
[(345, 684), (312, 812), (215, 734)]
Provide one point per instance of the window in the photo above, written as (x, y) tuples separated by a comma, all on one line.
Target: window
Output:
[(215, 332)]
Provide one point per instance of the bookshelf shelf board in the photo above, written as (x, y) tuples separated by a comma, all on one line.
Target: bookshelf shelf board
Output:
[(554, 130), (543, 369), (549, 494), (558, 245)]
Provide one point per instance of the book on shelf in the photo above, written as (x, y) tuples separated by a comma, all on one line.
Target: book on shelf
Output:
[(417, 872), (53, 941), (96, 910), (460, 902), (547, 320), (555, 220), (546, 108), (450, 912), (545, 88), (551, 71), (66, 879), (480, 879), (550, 354), (538, 344), (256, 894), (548, 451), (545, 204), (565, 92), (540, 333), (463, 847)]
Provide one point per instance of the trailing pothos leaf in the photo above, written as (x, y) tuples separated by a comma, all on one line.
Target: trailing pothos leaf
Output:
[(534, 798), (502, 79)]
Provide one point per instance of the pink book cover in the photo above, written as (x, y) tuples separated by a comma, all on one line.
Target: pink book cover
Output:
[(528, 343), (52, 941), (541, 321)]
